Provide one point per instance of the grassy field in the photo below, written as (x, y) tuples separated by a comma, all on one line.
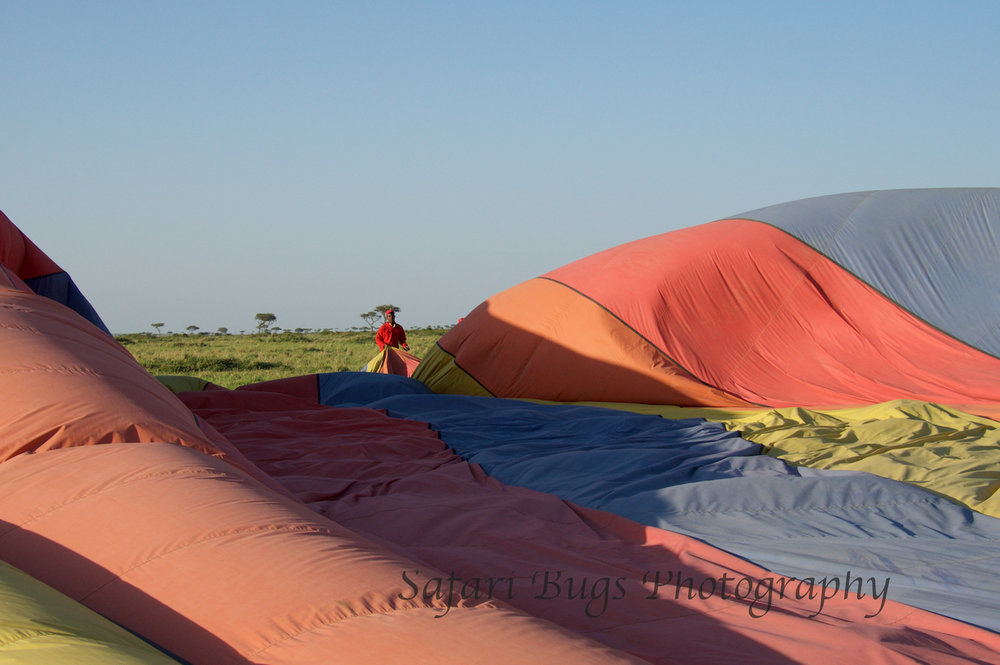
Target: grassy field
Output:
[(235, 360)]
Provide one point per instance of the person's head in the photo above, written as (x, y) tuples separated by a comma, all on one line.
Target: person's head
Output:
[(390, 315)]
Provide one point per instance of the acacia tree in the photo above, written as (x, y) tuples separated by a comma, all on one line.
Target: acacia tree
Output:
[(370, 318), (381, 309), (192, 329), (264, 321), (157, 326), (377, 314)]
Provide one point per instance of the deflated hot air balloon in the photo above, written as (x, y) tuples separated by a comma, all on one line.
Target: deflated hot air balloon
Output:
[(838, 300), (778, 462)]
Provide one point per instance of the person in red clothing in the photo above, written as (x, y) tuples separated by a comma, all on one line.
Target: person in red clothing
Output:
[(391, 333)]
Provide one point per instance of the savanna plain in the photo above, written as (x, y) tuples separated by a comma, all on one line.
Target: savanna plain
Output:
[(235, 360)]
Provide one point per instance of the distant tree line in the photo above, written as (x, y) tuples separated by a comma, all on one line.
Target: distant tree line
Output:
[(266, 321)]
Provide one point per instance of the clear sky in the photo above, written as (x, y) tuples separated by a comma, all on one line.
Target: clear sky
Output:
[(198, 162)]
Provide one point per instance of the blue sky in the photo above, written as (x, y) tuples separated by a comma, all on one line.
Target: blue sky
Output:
[(198, 162)]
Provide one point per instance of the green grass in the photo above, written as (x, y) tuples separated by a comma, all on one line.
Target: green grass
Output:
[(235, 360)]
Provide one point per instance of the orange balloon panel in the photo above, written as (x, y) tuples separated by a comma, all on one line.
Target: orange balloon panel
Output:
[(205, 562), (65, 383), (541, 339)]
